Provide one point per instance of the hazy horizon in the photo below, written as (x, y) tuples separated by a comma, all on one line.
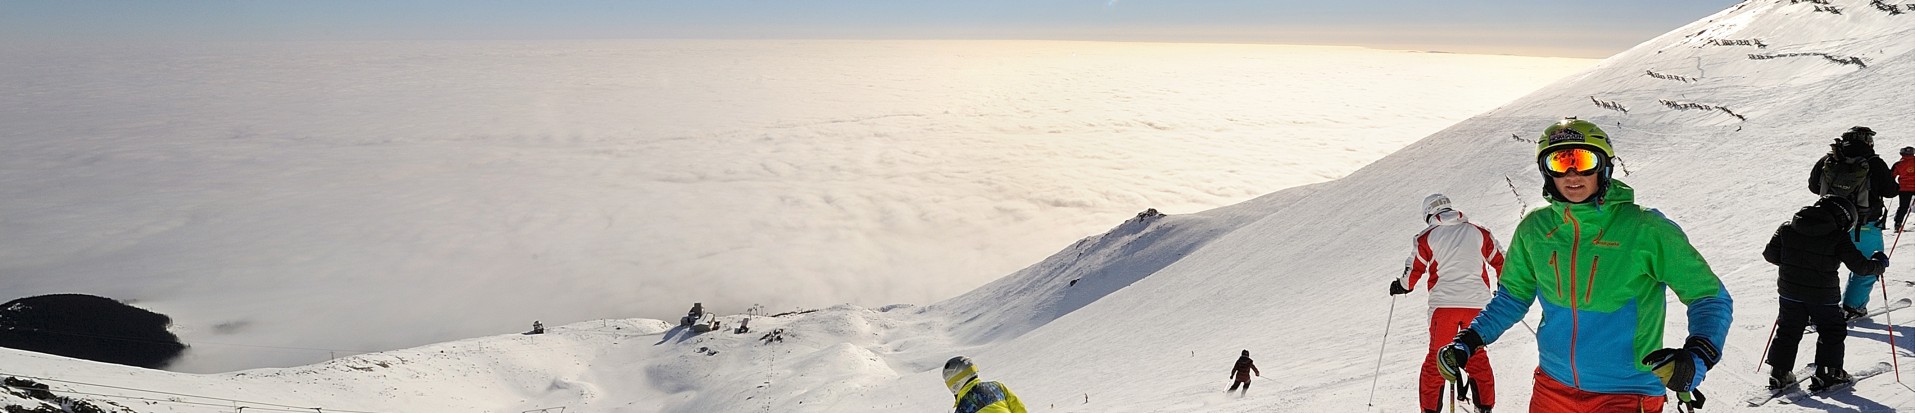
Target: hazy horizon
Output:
[(1588, 29)]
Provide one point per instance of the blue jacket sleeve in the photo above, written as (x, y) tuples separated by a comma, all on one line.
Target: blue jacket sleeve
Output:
[(1504, 310), (1709, 318)]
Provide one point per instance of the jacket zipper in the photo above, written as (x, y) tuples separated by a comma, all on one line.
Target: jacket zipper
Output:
[(1575, 319)]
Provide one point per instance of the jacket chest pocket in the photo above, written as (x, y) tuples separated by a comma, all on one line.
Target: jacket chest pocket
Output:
[(1577, 279)]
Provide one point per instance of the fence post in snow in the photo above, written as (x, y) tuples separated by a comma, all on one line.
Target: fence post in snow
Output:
[(1519, 198)]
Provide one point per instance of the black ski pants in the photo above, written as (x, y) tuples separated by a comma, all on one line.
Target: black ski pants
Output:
[(1794, 317), (1901, 209), (1234, 384)]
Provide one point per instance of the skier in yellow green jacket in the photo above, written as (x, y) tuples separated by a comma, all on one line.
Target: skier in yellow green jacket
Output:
[(975, 396)]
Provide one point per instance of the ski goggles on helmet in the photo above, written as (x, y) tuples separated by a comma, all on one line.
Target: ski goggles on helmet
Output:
[(1558, 163)]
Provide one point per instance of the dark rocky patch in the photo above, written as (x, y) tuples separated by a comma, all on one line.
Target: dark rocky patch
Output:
[(90, 328)]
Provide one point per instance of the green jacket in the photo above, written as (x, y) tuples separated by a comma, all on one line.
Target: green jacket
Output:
[(1602, 271)]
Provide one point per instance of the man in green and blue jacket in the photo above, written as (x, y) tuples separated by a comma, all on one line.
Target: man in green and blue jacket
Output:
[(1601, 266)]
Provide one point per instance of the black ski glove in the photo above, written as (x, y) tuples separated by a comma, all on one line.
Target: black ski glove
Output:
[(1880, 258), (1682, 369), (1396, 288), (1451, 359)]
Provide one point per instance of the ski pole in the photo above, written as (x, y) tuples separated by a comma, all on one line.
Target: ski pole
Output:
[(1378, 375), (1453, 400), (1765, 346), (1891, 330), (1891, 319), (1897, 243)]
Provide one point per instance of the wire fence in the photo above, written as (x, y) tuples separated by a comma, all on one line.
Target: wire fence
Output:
[(223, 403), (239, 405)]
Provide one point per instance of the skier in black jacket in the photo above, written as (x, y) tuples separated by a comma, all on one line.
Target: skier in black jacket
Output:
[(1852, 170), (1807, 251), (1240, 374)]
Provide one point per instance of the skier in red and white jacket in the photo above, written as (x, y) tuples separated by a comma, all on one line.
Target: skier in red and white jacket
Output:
[(1458, 262)]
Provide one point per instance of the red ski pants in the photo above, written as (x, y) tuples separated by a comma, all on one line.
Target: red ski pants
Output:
[(1554, 396), (1444, 323)]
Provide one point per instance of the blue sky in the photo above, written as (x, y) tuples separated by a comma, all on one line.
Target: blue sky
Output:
[(1548, 27)]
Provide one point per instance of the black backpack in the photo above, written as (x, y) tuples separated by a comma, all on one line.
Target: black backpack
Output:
[(1848, 179), (1845, 173)]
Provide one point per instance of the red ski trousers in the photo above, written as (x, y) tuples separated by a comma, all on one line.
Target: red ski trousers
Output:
[(1554, 396), (1444, 324)]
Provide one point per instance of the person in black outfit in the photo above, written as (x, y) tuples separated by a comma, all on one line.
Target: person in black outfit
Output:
[(1240, 374), (1853, 171), (1807, 251)]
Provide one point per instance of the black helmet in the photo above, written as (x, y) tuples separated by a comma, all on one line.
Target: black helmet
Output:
[(1841, 209), (1908, 150), (1857, 143), (1860, 134)]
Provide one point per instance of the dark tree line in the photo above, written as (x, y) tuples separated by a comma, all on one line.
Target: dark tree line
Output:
[(91, 328)]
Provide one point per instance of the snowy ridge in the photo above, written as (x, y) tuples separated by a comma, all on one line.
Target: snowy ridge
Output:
[(1092, 268), (1162, 305)]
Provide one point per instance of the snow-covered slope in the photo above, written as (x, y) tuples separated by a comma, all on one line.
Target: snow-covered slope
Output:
[(1161, 305), (1304, 286)]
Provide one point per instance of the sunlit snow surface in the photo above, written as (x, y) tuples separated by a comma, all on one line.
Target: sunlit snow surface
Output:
[(367, 196)]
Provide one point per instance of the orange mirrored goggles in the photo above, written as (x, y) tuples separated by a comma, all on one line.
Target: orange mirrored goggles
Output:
[(1583, 161)]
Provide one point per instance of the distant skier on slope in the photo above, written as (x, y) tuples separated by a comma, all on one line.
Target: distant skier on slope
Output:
[(1852, 170), (1904, 171), (975, 396), (1240, 374), (1806, 251), (1458, 261), (1599, 264)]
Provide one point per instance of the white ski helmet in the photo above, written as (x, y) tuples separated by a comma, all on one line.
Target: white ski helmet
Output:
[(1435, 203), (958, 372)]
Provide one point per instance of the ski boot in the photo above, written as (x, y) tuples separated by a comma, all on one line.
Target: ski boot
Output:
[(1850, 314), (1780, 378), (1826, 377)]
